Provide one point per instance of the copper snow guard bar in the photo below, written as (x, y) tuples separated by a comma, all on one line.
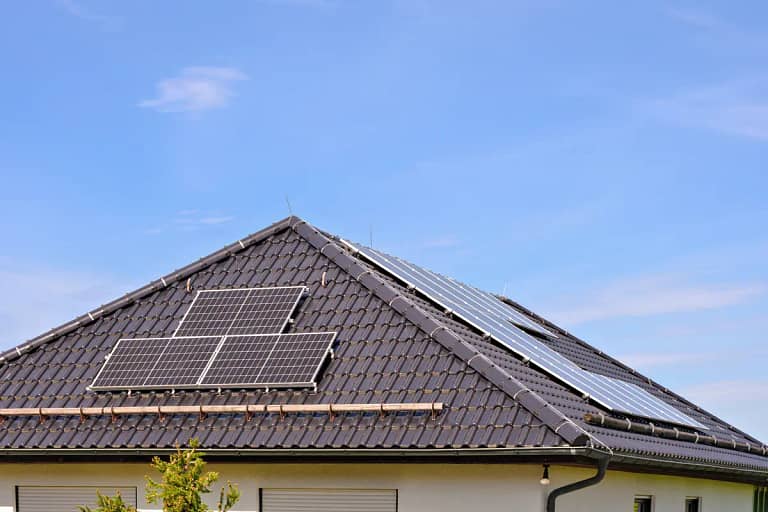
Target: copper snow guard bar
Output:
[(248, 410)]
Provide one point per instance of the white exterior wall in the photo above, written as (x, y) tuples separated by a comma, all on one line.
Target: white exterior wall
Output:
[(421, 487)]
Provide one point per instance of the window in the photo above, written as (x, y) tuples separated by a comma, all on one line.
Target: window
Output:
[(692, 504), (643, 504), (42, 498), (327, 500)]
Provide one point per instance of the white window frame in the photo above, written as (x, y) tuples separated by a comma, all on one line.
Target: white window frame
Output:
[(650, 497), (697, 498)]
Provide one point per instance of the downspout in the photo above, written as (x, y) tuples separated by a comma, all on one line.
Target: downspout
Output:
[(602, 466)]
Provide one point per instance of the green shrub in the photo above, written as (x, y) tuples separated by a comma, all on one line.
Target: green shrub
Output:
[(184, 481), (108, 504)]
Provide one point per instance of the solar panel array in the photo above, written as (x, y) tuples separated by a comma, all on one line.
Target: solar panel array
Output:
[(491, 316), (257, 360), (227, 338), (240, 311)]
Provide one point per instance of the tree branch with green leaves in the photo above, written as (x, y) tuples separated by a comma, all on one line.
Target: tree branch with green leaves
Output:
[(184, 481)]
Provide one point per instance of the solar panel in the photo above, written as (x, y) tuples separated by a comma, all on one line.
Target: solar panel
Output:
[(182, 362), (240, 311), (493, 318), (644, 404), (126, 366), (270, 360), (451, 293), (156, 363)]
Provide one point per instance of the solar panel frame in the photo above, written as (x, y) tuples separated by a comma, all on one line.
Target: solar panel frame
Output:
[(323, 347), (254, 298), (107, 368), (612, 394), (149, 377)]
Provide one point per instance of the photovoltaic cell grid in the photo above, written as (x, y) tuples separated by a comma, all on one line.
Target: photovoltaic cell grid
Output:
[(182, 362), (239, 311), (478, 309), (155, 362), (269, 360), (259, 360)]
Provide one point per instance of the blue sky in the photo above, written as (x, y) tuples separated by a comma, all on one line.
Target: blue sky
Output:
[(602, 163)]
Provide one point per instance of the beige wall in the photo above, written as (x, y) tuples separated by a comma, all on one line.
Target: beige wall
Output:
[(617, 492), (422, 487)]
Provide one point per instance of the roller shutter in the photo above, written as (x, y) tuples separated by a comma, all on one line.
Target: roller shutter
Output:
[(34, 498), (328, 500)]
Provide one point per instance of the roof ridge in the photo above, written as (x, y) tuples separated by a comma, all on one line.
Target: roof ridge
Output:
[(552, 417), (151, 287)]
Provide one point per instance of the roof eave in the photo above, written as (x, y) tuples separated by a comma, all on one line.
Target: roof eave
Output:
[(627, 461), (563, 455)]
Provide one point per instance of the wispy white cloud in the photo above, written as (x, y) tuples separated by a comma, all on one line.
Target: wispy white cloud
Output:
[(191, 220), (716, 30), (736, 108), (696, 356), (653, 295), (441, 242), (35, 300), (737, 400), (84, 13), (655, 359), (696, 17), (728, 391), (216, 220), (307, 3), (196, 89)]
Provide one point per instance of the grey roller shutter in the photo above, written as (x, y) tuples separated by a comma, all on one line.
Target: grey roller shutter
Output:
[(39, 498), (328, 500)]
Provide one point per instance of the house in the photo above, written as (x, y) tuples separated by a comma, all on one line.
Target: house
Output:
[(414, 392)]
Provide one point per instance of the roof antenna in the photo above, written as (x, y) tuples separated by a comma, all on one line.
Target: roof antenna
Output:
[(288, 202), (370, 236)]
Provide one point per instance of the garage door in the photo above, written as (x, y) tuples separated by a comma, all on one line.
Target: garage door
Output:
[(34, 498), (328, 500)]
